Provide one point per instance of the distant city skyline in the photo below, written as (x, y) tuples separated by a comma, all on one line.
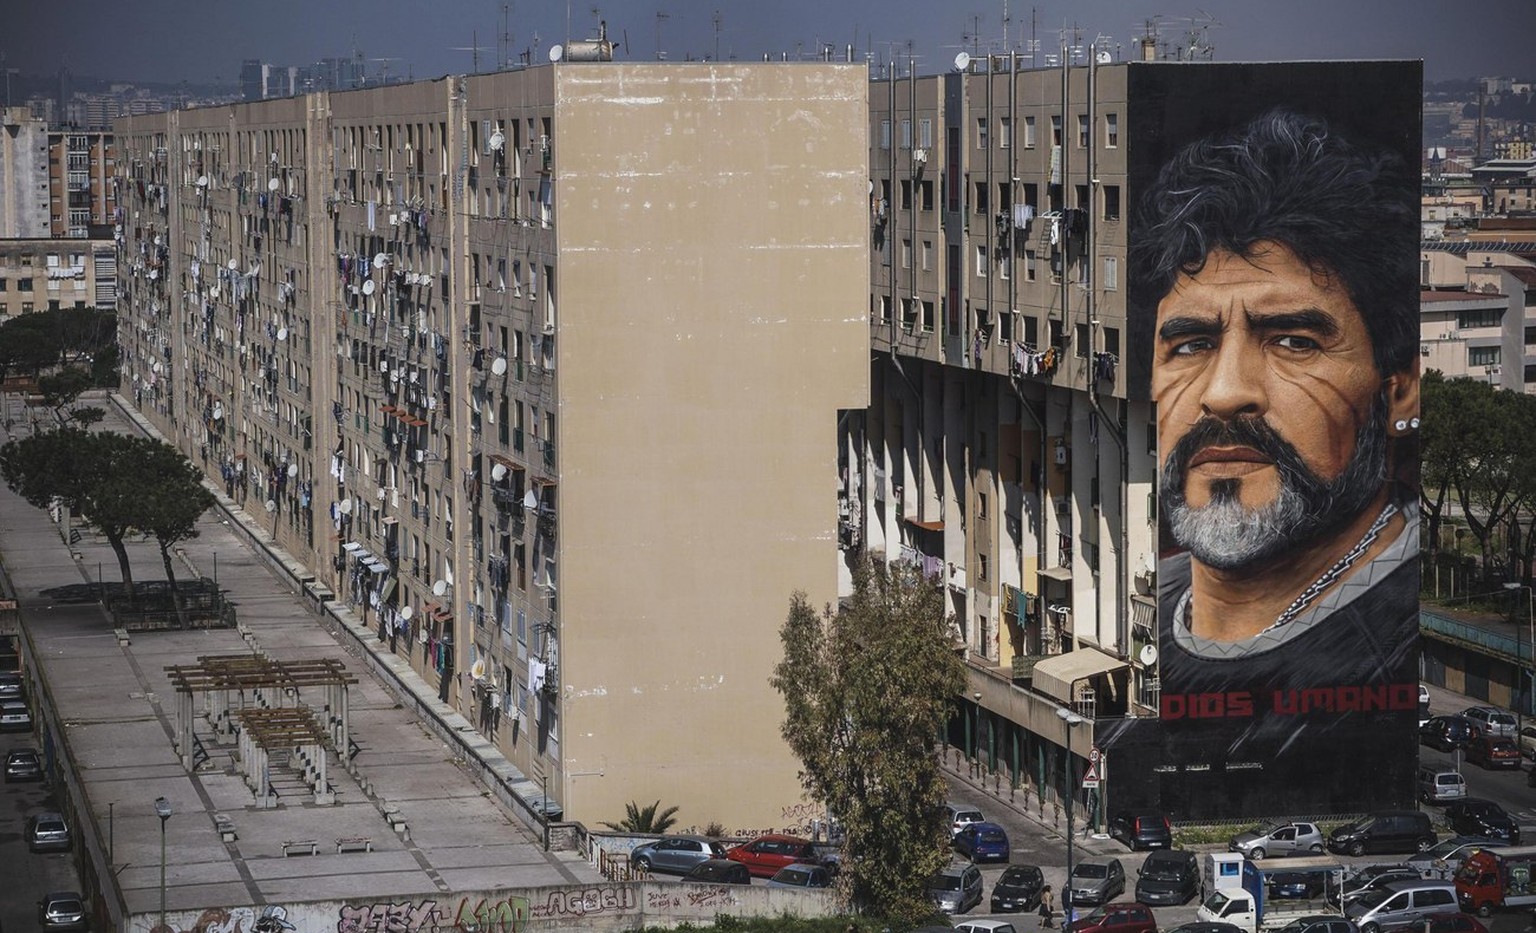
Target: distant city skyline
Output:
[(200, 42)]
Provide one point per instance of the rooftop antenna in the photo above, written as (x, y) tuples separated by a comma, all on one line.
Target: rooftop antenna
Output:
[(473, 49), (384, 68), (504, 40), (716, 20), (660, 18)]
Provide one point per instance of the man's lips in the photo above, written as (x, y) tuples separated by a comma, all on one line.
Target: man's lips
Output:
[(1223, 455)]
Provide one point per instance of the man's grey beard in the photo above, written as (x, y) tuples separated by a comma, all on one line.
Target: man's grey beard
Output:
[(1226, 535)]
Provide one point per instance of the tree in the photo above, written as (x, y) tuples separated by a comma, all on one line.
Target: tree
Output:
[(173, 502), (645, 819), (867, 688), (61, 389)]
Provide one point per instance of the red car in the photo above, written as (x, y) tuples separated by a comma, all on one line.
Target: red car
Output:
[(765, 855), (1442, 923), (1494, 752)]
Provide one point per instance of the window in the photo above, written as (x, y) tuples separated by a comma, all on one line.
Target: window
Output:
[(925, 133), (1032, 332), (24, 285), (1111, 202), (925, 195), (1005, 323), (1082, 131), (1111, 273), (1112, 341), (1483, 356), (4, 284), (1003, 263), (1004, 133), (1111, 130), (928, 316), (885, 309), (906, 134), (906, 254), (1029, 265), (1029, 132), (1482, 317), (906, 194), (927, 255), (980, 201), (981, 260), (1080, 340), (981, 566), (885, 134), (981, 132), (1056, 129)]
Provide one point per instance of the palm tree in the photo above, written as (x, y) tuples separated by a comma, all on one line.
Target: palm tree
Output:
[(645, 819)]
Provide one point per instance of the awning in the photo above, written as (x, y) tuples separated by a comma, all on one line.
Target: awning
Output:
[(1064, 574), (351, 547), (377, 566), (1054, 676), (926, 526)]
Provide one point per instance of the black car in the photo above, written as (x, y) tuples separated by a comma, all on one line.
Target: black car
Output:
[(23, 764), (1017, 889), (1476, 816), (1141, 830), (1449, 733), (1168, 876), (719, 871)]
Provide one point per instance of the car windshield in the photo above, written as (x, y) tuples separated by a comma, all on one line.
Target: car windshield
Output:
[(1217, 902), (1503, 745), (1373, 898), (1098, 914), (991, 835), (1021, 875), (944, 882), (1090, 870), (796, 876), (67, 906)]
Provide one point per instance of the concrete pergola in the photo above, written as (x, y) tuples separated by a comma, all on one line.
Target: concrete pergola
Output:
[(291, 729)]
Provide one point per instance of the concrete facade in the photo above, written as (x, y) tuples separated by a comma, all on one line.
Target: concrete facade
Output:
[(54, 181), (540, 372), (39, 275)]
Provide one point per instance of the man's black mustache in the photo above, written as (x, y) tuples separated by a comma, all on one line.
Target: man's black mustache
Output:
[(1255, 433)]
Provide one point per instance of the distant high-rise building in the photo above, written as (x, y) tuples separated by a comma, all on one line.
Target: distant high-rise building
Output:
[(53, 181), (251, 83)]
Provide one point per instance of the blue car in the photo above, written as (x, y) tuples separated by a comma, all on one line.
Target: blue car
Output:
[(982, 842)]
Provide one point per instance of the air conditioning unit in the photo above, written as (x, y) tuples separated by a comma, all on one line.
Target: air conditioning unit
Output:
[(1063, 507)]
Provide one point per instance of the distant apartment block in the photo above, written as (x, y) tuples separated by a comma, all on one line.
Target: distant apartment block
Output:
[(48, 275), (54, 181)]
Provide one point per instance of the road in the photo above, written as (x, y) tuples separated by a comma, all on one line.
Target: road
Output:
[(28, 875)]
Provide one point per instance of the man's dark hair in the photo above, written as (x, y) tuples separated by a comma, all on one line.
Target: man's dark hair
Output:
[(1286, 178)]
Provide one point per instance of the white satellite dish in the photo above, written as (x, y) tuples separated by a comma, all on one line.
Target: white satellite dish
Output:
[(156, 367), (406, 612), (380, 259), (154, 274), (271, 505), (273, 185), (420, 456), (530, 501), (344, 506), (157, 239), (274, 158), (218, 410), (282, 333), (369, 287), (1148, 655), (962, 61), (202, 181), (556, 52), (439, 588), (499, 472), (499, 366), (1103, 58), (394, 375), (293, 469), (497, 140), (232, 265), (415, 376), (213, 291), (383, 366)]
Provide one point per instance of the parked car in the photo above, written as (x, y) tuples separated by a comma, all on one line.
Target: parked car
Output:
[(1526, 739), (956, 889), (1294, 884), (11, 686), (14, 716), (1168, 876), (1389, 831), (985, 926), (1115, 918), (1492, 720), (1423, 703), (1141, 830), (23, 764), (1205, 926), (719, 871), (675, 854), (1374, 878), (765, 855), (1477, 816), (1320, 923), (1493, 752), (1093, 882), (1449, 733), (1451, 922), (1401, 903), (959, 815), (1440, 782), (1278, 839), (982, 842), (1445, 856), (1017, 889), (47, 832), (801, 875), (62, 910)]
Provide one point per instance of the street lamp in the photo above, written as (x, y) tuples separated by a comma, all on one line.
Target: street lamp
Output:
[(1072, 721), (162, 810)]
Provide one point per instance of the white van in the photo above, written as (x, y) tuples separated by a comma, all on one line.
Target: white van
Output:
[(1438, 784)]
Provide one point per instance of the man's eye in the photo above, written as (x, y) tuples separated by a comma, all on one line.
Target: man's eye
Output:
[(1296, 343), (1191, 347)]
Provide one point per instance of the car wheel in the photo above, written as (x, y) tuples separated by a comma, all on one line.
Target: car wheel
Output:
[(1257, 852), (1370, 928), (1357, 849), (1485, 909), (1317, 848), (642, 864), (1425, 843)]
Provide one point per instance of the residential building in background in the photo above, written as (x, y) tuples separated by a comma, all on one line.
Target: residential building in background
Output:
[(541, 372), (48, 275), (54, 181)]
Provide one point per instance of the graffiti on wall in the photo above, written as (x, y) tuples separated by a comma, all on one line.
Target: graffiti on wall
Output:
[(478, 914), (697, 896), (587, 902)]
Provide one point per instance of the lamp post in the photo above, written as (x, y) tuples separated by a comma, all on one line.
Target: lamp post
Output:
[(1072, 721), (162, 810)]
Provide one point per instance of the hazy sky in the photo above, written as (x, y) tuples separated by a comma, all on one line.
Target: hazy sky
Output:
[(205, 40)]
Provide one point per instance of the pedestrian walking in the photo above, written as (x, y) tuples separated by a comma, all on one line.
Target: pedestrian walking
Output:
[(1047, 906)]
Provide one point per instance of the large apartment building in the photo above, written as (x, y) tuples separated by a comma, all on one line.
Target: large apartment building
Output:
[(540, 372), (55, 181)]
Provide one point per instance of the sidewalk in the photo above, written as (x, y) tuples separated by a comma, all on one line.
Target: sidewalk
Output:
[(994, 794)]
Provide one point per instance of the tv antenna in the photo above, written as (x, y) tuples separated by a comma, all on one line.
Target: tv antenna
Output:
[(474, 49), (504, 39), (383, 68), (661, 17), (716, 20)]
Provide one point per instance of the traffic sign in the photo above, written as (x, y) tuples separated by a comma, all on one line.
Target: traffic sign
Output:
[(1094, 754), (1091, 779)]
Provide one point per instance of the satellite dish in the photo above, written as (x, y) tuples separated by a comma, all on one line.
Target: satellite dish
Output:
[(218, 410), (497, 140), (439, 588), (156, 367), (202, 181), (157, 239), (1103, 58), (344, 506), (380, 260), (282, 333), (1148, 655), (499, 366), (383, 366), (415, 376), (962, 61), (232, 265), (369, 287), (530, 501), (154, 274), (293, 469), (499, 472), (556, 52), (213, 291), (394, 375), (420, 456), (406, 612), (271, 505), (273, 185), (274, 158)]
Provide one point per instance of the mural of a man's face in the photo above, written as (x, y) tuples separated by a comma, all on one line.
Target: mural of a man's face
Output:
[(1272, 417)]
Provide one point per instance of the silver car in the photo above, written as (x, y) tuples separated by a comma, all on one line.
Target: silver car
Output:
[(1095, 881), (1492, 720), (675, 854), (956, 889), (14, 716), (47, 832), (1279, 839)]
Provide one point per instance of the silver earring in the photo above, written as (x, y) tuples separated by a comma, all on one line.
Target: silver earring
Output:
[(1413, 423), (1401, 425)]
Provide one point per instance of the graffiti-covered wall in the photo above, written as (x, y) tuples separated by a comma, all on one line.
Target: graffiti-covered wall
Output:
[(596, 908)]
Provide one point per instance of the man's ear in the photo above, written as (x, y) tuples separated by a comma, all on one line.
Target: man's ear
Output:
[(1401, 392)]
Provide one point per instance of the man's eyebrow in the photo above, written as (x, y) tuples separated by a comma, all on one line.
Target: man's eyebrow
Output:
[(1314, 320), (1177, 327)]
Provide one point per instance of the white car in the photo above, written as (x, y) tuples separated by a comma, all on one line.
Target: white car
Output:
[(1527, 741), (1491, 720), (960, 816), (14, 716)]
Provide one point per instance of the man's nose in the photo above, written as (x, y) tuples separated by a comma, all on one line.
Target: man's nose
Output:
[(1234, 385)]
